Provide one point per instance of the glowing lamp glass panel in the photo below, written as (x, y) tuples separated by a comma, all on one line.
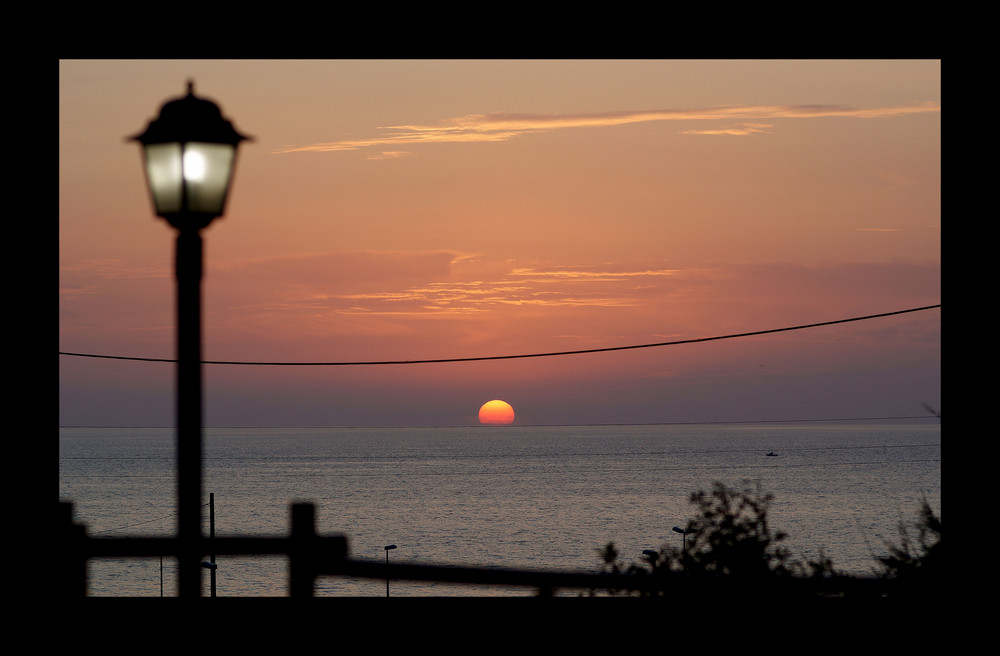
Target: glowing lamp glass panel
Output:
[(189, 177)]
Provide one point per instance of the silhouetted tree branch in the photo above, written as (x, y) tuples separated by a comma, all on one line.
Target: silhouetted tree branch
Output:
[(916, 560), (731, 539)]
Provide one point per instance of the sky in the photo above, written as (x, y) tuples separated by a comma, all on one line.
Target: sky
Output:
[(396, 210)]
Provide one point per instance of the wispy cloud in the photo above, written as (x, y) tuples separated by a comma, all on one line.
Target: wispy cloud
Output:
[(477, 128), (589, 274), (430, 284), (390, 154), (740, 129), (109, 268), (518, 287)]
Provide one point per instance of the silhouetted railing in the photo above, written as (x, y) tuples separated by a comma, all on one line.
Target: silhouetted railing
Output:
[(311, 556)]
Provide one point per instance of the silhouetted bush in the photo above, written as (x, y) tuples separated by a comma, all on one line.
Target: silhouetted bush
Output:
[(729, 538), (916, 561), (731, 535), (730, 541)]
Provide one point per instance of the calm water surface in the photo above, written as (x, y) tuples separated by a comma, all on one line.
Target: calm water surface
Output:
[(527, 497)]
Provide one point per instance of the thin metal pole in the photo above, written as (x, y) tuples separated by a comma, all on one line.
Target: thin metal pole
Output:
[(211, 537), (388, 548), (189, 273)]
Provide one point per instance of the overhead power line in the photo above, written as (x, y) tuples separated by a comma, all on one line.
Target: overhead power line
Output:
[(519, 356)]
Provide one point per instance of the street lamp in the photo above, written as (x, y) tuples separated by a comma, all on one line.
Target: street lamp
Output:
[(388, 548), (189, 153), (684, 537)]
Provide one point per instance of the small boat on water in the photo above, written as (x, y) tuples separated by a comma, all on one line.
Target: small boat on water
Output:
[(771, 453)]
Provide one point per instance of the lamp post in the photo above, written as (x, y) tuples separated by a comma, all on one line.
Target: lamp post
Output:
[(189, 152), (684, 538), (388, 548), (651, 555)]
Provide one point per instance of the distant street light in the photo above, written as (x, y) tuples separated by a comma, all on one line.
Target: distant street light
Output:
[(684, 534), (189, 152), (388, 548)]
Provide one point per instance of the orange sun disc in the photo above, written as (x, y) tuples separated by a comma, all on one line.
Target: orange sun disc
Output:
[(496, 413)]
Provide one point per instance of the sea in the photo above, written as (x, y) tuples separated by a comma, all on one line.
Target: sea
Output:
[(525, 497)]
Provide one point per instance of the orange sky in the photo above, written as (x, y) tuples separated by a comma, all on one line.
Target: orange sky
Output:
[(410, 210)]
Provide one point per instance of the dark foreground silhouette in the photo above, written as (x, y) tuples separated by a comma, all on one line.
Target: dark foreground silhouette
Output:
[(730, 547)]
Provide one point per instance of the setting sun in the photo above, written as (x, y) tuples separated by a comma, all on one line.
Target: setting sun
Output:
[(496, 413)]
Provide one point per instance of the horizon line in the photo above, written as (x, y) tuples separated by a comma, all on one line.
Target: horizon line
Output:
[(599, 424)]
